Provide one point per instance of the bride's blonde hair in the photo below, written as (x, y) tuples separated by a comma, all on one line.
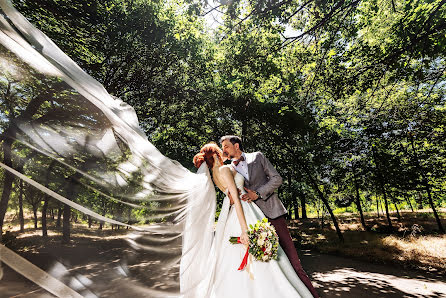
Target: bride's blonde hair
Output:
[(206, 155)]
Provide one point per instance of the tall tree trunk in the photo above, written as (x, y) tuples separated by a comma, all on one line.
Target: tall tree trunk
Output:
[(44, 210), (325, 201), (45, 202), (431, 203), (377, 205), (426, 185), (129, 218), (7, 182), (293, 199), (383, 190), (71, 191), (35, 216), (396, 208), (21, 217), (296, 206), (420, 201), (303, 205), (89, 221), (408, 201), (59, 215), (66, 224), (358, 200), (386, 205)]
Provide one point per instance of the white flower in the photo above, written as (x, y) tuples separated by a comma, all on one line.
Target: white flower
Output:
[(265, 257), (260, 241), (264, 234)]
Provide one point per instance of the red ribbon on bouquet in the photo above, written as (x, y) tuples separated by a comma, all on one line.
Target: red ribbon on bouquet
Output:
[(245, 258)]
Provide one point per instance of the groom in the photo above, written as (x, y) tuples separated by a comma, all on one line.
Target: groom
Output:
[(261, 181)]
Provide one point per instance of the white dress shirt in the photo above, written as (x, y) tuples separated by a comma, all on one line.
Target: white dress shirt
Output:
[(242, 167)]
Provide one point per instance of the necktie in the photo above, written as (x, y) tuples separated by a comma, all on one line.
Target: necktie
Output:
[(236, 162)]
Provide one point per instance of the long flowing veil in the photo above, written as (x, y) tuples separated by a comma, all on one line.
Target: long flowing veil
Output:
[(66, 140)]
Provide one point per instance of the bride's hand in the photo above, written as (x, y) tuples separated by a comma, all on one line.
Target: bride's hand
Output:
[(244, 239)]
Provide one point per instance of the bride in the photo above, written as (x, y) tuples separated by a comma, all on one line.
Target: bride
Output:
[(275, 278)]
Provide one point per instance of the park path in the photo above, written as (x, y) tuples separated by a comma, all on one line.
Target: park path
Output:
[(336, 276), (333, 276)]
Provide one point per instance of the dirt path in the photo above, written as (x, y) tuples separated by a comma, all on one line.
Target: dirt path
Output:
[(343, 277), (332, 275)]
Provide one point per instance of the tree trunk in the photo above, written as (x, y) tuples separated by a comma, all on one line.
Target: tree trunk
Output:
[(296, 206), (386, 205), (21, 217), (7, 182), (431, 203), (377, 206), (59, 215), (420, 201), (303, 205), (322, 217), (44, 209), (396, 208), (325, 201), (408, 202), (293, 199), (358, 201), (383, 190), (45, 202), (35, 216), (427, 186), (89, 221), (71, 190), (66, 224), (101, 223)]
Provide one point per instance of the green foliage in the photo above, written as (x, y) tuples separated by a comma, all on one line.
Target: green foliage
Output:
[(332, 92)]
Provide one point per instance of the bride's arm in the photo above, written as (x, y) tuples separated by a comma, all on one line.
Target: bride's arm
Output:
[(227, 176)]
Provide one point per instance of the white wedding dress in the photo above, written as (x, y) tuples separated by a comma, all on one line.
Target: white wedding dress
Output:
[(275, 278)]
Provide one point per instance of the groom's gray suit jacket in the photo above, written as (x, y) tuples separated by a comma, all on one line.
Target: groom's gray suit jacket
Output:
[(265, 179)]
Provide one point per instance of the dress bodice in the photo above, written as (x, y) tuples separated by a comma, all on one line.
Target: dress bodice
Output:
[(240, 182)]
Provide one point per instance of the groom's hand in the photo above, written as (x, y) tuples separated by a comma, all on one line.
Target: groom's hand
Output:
[(250, 196)]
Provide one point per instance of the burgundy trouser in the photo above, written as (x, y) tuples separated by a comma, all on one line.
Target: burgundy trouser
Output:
[(287, 245)]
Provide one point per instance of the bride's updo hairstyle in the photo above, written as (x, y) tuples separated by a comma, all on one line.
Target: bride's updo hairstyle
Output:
[(207, 155)]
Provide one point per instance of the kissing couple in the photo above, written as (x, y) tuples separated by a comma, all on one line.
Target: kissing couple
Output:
[(249, 184)]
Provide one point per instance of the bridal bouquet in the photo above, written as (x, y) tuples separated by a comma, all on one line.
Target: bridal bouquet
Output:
[(263, 242)]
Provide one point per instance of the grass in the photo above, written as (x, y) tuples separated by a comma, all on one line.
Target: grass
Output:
[(419, 247)]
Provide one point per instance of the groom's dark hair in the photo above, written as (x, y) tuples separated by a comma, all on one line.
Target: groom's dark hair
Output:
[(233, 140)]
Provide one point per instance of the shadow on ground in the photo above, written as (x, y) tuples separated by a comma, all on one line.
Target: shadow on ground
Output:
[(103, 264), (335, 276)]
